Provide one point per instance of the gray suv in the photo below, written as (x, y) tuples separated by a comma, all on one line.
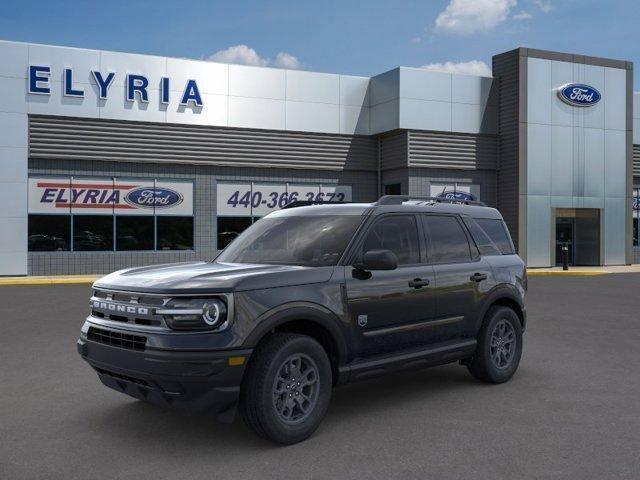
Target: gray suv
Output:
[(310, 297)]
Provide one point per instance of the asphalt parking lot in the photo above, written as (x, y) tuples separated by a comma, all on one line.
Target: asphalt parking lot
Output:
[(571, 412)]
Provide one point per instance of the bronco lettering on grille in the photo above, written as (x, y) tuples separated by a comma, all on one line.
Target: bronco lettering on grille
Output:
[(119, 308)]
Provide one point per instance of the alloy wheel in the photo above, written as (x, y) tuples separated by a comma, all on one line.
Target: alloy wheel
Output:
[(296, 388), (503, 344)]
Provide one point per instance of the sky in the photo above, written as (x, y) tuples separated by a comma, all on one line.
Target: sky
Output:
[(358, 38)]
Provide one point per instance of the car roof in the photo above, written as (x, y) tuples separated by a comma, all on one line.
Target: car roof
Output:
[(474, 211)]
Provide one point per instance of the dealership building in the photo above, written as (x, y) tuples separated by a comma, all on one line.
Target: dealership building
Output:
[(109, 160)]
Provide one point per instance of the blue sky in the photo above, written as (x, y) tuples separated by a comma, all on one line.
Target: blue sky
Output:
[(361, 38)]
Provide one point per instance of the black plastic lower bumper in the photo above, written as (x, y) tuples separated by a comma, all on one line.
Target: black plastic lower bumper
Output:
[(193, 381)]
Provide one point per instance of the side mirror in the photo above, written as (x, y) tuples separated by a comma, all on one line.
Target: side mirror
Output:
[(378, 260)]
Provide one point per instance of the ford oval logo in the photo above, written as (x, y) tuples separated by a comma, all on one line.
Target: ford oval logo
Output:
[(579, 94), (462, 196), (149, 197)]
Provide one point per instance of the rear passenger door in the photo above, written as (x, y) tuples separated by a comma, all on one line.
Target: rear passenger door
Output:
[(461, 276)]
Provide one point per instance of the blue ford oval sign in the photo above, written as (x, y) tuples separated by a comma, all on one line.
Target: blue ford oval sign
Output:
[(149, 197), (462, 196), (579, 94)]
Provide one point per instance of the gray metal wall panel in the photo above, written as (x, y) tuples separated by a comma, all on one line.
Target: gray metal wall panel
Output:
[(506, 71), (636, 160), (452, 150), (394, 150), (400, 175), (68, 138)]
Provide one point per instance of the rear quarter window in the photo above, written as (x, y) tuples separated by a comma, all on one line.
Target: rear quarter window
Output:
[(497, 231), (485, 245)]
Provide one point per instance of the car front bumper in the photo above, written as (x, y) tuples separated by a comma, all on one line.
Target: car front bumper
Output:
[(196, 381)]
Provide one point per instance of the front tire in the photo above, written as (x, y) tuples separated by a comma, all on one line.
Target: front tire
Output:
[(287, 388), (499, 346)]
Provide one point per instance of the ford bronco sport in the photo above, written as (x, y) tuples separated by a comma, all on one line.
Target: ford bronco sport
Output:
[(308, 298)]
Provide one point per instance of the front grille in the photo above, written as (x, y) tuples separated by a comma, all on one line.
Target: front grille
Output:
[(117, 339), (119, 376), (130, 298), (129, 308)]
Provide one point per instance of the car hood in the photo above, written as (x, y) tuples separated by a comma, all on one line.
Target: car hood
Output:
[(206, 277)]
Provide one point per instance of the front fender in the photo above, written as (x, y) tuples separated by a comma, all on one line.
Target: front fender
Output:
[(312, 312)]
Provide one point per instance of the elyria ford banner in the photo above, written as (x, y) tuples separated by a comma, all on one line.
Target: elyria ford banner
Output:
[(104, 196)]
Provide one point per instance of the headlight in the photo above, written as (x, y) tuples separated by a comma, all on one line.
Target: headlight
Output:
[(195, 314)]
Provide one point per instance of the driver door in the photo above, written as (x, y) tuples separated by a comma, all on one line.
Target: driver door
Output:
[(389, 309)]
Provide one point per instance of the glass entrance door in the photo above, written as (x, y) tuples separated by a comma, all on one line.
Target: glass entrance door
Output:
[(579, 230), (565, 228)]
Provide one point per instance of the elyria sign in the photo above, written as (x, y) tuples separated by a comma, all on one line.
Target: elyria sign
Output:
[(136, 86), (579, 94)]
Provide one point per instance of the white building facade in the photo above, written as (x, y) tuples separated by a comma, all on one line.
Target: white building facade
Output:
[(109, 160)]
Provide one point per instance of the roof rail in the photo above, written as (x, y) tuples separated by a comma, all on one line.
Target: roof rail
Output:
[(306, 203), (399, 199)]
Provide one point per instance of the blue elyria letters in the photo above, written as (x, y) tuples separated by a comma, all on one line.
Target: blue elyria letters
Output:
[(136, 86)]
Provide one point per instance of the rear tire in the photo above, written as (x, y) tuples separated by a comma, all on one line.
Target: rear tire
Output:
[(287, 388), (499, 346)]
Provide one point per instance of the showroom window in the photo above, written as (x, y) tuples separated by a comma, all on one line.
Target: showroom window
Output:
[(393, 189), (241, 204), (109, 214), (134, 233), (49, 233), (175, 233), (92, 233)]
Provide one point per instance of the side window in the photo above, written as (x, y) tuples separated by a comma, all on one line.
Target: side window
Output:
[(398, 234), (497, 231), (446, 240), (484, 243)]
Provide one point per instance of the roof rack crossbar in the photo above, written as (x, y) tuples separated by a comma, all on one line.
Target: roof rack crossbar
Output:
[(399, 199)]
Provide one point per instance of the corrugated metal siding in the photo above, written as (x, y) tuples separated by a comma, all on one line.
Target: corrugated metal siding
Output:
[(452, 150), (506, 72), (636, 160), (394, 151), (115, 140)]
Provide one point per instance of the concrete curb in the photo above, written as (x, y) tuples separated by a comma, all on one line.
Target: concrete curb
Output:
[(51, 280), (568, 273)]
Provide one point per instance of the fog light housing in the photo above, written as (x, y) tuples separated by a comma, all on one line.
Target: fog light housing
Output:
[(195, 314)]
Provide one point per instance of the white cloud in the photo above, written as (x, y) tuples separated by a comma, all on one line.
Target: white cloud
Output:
[(545, 6), (472, 67), (241, 54), (522, 15), (464, 17), (245, 55), (286, 60)]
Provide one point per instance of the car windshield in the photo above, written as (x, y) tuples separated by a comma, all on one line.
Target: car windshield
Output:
[(313, 241)]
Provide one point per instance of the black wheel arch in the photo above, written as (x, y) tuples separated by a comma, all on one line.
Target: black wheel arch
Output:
[(507, 297), (311, 319)]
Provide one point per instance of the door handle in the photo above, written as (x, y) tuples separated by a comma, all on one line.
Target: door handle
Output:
[(418, 283), (478, 277)]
